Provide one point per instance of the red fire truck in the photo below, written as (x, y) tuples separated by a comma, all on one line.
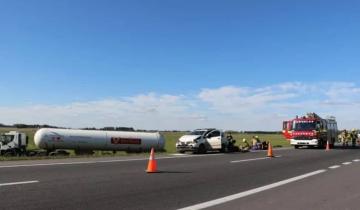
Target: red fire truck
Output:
[(311, 130)]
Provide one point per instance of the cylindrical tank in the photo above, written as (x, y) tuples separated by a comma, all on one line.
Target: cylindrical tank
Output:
[(85, 140)]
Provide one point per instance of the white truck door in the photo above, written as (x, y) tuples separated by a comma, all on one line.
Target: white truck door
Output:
[(214, 139)]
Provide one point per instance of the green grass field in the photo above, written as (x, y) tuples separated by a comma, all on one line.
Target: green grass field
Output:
[(277, 140)]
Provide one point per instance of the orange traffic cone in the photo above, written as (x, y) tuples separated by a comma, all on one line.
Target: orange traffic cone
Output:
[(270, 151), (152, 166), (327, 146)]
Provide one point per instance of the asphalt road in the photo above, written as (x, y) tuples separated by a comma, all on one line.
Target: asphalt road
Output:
[(331, 190), (184, 181)]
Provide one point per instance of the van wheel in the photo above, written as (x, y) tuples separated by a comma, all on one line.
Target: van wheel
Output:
[(201, 149)]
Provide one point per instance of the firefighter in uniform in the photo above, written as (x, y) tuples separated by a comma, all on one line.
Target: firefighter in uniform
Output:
[(344, 138), (246, 146), (256, 143), (353, 135), (348, 138)]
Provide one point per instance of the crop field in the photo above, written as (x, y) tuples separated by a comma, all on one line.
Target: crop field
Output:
[(277, 140)]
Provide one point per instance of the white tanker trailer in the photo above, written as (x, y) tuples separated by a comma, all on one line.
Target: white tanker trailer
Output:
[(86, 141)]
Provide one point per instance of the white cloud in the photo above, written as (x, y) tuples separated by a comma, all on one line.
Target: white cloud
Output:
[(149, 111), (244, 99), (228, 107)]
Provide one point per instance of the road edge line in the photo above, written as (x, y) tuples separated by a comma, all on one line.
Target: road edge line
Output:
[(18, 183)]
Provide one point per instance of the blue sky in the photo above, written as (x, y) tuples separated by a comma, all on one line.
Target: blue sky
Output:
[(55, 55)]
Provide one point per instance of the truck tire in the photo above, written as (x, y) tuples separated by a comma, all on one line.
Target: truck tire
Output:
[(296, 146)]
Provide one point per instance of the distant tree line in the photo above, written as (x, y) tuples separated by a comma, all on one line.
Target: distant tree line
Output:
[(264, 132), (20, 125), (257, 132), (111, 128), (4, 126)]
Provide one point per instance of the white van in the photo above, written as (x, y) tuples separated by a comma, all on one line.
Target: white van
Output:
[(202, 140)]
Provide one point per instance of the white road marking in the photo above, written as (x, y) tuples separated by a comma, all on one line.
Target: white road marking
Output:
[(334, 167), (254, 159), (18, 183), (100, 161), (356, 160), (347, 163), (250, 192)]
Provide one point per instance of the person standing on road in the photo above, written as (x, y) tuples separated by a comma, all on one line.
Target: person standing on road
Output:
[(344, 138), (347, 138), (353, 135)]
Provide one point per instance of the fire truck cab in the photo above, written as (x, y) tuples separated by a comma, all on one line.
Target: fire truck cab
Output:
[(287, 129), (313, 131)]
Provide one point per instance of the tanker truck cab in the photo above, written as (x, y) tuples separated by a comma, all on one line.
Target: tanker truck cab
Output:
[(13, 143), (201, 141)]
